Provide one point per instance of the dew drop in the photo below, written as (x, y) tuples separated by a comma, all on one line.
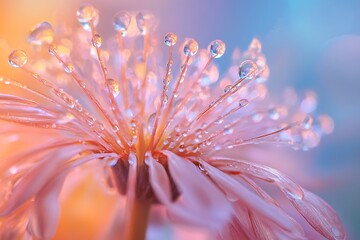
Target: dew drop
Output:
[(228, 130), (86, 14), (17, 58), (69, 68), (227, 88), (201, 167), (243, 102), (170, 39), (181, 148), (151, 121), (121, 22), (307, 122), (217, 48), (219, 120), (140, 22), (41, 34), (274, 114), (96, 40), (67, 118), (191, 47), (247, 68), (114, 87)]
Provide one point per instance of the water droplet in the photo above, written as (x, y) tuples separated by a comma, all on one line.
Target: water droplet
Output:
[(115, 128), (114, 87), (86, 14), (14, 170), (274, 114), (219, 120), (255, 46), (181, 148), (257, 117), (243, 102), (17, 58), (307, 122), (247, 68), (217, 48), (140, 22), (96, 40), (121, 22), (151, 121), (165, 100), (67, 118), (191, 47), (201, 167), (228, 130), (227, 88), (69, 68), (41, 34), (170, 39)]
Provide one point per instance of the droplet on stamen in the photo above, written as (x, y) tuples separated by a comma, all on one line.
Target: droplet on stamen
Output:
[(307, 122), (243, 102), (170, 39), (41, 34), (17, 58), (247, 68), (121, 22), (87, 14), (114, 87), (96, 40), (191, 47), (217, 48), (140, 22)]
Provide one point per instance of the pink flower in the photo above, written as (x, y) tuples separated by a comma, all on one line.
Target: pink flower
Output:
[(158, 139)]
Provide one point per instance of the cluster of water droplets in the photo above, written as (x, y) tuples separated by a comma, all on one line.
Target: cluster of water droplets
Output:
[(190, 115)]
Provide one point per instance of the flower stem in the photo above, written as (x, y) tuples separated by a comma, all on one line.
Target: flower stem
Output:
[(137, 224)]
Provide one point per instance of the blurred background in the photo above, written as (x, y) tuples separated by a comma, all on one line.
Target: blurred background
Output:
[(308, 44)]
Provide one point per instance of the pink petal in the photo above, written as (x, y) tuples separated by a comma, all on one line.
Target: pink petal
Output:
[(317, 212), (200, 203), (320, 215), (250, 200), (37, 177), (46, 210), (159, 181)]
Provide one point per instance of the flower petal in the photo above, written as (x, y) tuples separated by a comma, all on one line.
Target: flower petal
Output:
[(200, 203), (320, 215), (238, 192), (316, 211), (46, 209)]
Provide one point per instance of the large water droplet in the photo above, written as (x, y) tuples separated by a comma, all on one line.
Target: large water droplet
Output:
[(96, 40), (17, 58), (217, 48), (86, 14), (114, 87), (41, 34), (191, 47), (247, 68), (121, 22), (170, 39)]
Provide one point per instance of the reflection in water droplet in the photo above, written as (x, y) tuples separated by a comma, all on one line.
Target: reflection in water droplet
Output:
[(170, 39), (191, 47), (17, 58), (96, 40), (217, 48), (86, 14), (247, 68), (41, 34), (243, 102), (114, 87), (121, 22)]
